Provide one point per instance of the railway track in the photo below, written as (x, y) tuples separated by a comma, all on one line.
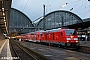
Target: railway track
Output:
[(55, 53), (22, 53)]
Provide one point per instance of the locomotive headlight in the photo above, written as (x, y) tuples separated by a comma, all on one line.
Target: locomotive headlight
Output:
[(68, 39), (75, 38), (77, 41)]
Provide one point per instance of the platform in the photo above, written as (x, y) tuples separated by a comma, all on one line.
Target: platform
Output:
[(85, 43), (5, 53)]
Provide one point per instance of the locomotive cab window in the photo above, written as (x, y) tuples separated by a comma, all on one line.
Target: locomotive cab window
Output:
[(70, 32)]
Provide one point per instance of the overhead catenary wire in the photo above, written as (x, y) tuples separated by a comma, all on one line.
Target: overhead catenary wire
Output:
[(87, 11), (66, 3), (22, 3), (69, 3), (89, 5), (48, 6), (86, 7), (75, 5), (84, 12), (77, 2), (83, 5), (25, 5), (74, 1)]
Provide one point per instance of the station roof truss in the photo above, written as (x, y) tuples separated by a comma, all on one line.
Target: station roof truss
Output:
[(19, 22), (59, 18)]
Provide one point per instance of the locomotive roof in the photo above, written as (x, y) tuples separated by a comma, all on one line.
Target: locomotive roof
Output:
[(52, 30)]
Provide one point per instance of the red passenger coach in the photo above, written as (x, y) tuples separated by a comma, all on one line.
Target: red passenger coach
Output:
[(22, 37), (32, 37), (44, 37), (39, 35)]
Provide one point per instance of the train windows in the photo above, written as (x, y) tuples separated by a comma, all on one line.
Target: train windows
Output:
[(54, 30), (32, 34), (70, 32), (40, 34)]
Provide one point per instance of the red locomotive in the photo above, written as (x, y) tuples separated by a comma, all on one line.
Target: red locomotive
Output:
[(60, 36)]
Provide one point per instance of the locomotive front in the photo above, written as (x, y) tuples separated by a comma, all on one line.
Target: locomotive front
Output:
[(71, 38)]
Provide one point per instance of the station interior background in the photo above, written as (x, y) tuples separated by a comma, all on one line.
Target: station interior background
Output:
[(21, 24)]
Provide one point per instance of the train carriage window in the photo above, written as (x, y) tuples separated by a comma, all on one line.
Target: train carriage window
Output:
[(40, 34), (32, 34)]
